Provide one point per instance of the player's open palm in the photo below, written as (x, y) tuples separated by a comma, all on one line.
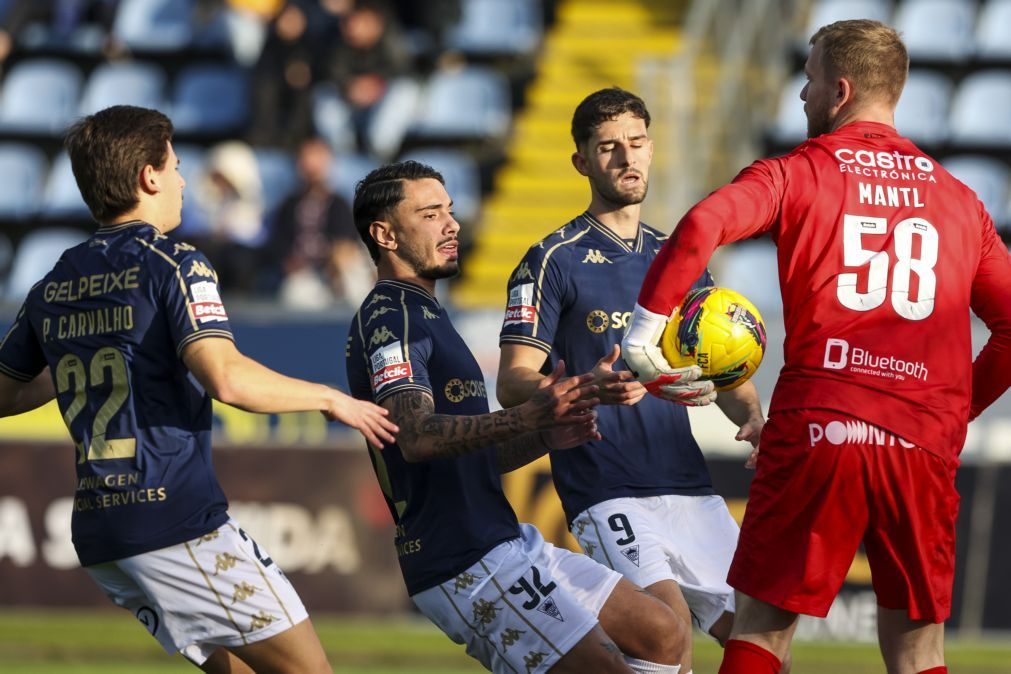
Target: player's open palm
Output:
[(573, 435), (369, 419), (616, 387), (561, 400)]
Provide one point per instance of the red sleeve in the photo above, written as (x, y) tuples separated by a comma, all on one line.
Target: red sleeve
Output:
[(991, 301), (748, 206)]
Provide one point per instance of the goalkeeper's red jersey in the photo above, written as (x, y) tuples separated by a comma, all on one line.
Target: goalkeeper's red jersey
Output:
[(881, 255)]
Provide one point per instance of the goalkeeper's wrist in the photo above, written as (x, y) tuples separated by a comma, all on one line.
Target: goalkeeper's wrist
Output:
[(644, 328)]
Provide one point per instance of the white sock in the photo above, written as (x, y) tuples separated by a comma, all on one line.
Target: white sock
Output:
[(646, 667)]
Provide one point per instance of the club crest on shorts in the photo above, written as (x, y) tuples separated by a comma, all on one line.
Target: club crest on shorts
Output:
[(549, 608), (631, 553)]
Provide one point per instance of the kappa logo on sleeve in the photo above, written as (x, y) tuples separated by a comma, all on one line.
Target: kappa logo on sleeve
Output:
[(521, 305), (388, 365), (206, 305)]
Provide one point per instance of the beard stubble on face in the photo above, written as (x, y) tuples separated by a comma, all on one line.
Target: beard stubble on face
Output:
[(612, 194), (426, 269)]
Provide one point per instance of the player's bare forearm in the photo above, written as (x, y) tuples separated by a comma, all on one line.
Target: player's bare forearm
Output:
[(520, 451), (743, 407), (519, 374), (425, 435), (17, 397)]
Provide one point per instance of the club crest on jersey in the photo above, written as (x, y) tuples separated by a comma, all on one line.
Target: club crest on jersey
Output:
[(380, 336), (521, 305), (388, 365), (206, 305), (631, 553)]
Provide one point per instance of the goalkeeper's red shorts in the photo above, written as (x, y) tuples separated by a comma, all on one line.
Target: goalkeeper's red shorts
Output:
[(825, 482)]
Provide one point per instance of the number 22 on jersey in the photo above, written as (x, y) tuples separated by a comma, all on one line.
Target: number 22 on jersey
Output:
[(855, 228)]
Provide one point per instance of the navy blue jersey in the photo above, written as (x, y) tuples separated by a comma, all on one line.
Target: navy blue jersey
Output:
[(571, 296), (110, 320), (450, 512)]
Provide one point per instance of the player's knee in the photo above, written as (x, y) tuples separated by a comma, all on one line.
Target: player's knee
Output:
[(664, 638)]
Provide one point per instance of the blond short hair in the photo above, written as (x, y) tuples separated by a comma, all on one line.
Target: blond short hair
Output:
[(869, 54)]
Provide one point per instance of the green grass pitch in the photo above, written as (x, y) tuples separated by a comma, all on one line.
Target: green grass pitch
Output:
[(111, 642)]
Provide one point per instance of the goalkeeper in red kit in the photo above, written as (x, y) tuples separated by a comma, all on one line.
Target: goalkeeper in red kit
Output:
[(882, 253)]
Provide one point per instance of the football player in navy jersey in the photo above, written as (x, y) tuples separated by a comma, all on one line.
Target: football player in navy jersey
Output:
[(515, 600), (131, 327), (640, 499)]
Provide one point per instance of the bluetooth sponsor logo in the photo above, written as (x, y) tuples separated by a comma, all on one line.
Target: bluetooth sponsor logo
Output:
[(840, 355), (853, 431)]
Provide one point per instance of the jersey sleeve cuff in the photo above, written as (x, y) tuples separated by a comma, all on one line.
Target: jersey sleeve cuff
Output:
[(16, 374), (527, 341), (379, 397), (201, 334)]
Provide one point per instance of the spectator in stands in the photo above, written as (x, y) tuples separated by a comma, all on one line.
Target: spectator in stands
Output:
[(287, 68), (366, 62), (314, 240), (230, 202)]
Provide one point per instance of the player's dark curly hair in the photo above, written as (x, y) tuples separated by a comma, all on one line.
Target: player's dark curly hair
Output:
[(109, 149), (378, 193), (604, 105)]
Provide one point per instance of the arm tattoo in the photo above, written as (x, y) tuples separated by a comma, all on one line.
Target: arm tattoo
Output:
[(426, 435), (520, 451)]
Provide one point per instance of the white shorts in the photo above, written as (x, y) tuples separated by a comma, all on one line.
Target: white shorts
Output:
[(687, 539), (220, 589), (523, 606)]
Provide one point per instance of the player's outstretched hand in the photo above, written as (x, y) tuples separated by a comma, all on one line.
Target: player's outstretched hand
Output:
[(573, 435), (751, 431), (370, 420), (616, 387), (561, 400)]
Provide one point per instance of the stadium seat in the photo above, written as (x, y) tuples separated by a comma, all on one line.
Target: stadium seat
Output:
[(937, 30), (347, 170), (494, 27), (124, 83), (988, 178), (210, 99), (393, 117), (472, 103), (790, 127), (23, 168), (154, 25), (35, 256), (278, 174), (6, 256), (981, 110), (62, 199), (922, 113), (40, 96), (830, 11), (462, 175), (992, 30)]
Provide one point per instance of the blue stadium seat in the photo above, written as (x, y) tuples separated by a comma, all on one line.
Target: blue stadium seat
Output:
[(940, 30), (981, 110), (61, 198), (154, 25), (347, 170), (40, 96), (987, 177), (331, 116), (992, 30), (922, 113), (790, 127), (278, 175), (830, 11), (125, 83), (35, 257), (393, 117), (23, 168), (472, 103), (462, 175), (6, 257), (210, 99), (493, 27)]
